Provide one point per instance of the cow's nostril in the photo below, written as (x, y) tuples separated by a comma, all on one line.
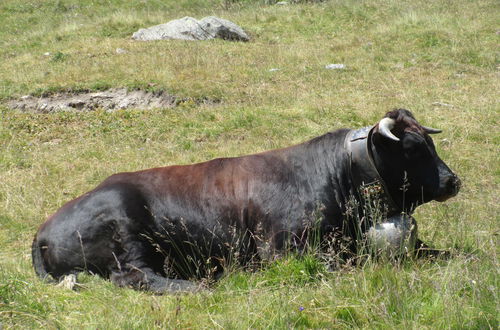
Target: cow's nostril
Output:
[(454, 184), (458, 183)]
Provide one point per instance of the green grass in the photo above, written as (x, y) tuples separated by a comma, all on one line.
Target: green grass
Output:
[(397, 53)]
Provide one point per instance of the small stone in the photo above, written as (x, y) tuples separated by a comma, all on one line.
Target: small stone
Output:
[(445, 142), (399, 66), (335, 66), (121, 51), (46, 54), (53, 142), (442, 104), (68, 282)]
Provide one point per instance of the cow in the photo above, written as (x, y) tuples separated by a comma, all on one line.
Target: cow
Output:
[(159, 228)]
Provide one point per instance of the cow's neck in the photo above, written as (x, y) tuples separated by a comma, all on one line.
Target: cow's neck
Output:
[(322, 161), (368, 185)]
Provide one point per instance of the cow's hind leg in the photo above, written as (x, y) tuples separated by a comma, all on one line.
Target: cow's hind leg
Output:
[(146, 279)]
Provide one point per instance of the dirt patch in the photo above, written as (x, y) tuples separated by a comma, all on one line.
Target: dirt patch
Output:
[(112, 99)]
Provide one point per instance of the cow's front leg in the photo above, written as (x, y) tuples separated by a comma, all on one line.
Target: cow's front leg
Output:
[(146, 279)]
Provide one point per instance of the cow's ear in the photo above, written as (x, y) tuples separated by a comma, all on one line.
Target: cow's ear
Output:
[(384, 128)]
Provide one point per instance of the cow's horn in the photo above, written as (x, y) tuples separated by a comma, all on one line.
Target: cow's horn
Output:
[(430, 130), (385, 126)]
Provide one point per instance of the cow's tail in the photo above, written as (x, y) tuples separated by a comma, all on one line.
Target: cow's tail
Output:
[(38, 262)]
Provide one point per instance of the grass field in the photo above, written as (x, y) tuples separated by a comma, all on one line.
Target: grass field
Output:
[(437, 58)]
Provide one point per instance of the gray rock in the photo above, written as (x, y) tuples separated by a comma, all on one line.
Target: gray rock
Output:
[(221, 28), (335, 66), (188, 28)]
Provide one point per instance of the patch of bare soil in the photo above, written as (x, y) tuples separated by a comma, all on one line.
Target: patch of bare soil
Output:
[(112, 99)]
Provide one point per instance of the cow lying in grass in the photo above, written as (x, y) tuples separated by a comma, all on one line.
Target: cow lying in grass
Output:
[(157, 228)]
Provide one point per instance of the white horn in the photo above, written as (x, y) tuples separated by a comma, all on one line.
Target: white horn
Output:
[(385, 126), (430, 130)]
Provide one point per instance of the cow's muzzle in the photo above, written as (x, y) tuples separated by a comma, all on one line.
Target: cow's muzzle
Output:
[(451, 188)]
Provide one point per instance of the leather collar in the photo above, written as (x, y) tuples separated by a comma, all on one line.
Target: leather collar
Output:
[(369, 185)]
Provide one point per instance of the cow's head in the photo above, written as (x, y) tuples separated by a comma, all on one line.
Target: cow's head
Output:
[(406, 158)]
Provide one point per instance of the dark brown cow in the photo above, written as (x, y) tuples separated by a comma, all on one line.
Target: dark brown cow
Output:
[(156, 228)]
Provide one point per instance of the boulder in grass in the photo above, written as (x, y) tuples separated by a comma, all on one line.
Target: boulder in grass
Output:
[(221, 28), (189, 28)]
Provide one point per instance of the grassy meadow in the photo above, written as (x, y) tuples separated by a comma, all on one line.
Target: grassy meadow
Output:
[(439, 59)]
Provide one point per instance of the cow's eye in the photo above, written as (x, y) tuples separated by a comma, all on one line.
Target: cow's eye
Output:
[(414, 147), (412, 152)]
